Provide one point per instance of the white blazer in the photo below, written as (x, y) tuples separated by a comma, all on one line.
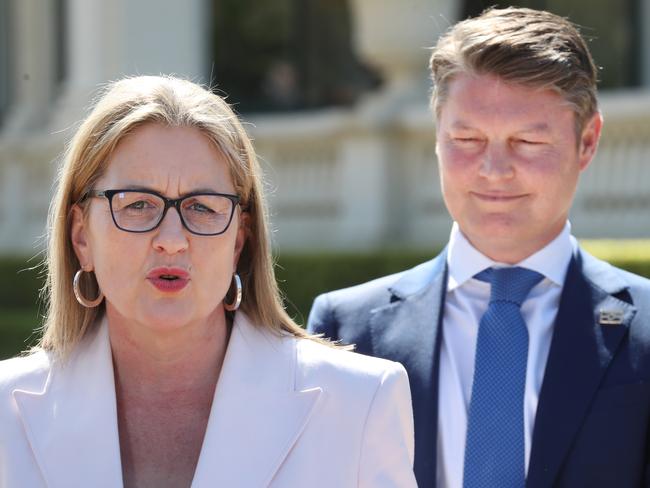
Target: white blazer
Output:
[(286, 413)]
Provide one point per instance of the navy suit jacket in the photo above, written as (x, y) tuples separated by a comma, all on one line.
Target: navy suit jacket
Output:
[(592, 427)]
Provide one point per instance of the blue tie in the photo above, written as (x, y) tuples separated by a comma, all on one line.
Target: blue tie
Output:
[(495, 448)]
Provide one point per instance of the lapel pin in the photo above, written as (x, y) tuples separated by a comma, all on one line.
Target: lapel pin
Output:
[(611, 317)]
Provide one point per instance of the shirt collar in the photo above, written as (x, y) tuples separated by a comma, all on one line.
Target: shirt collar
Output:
[(464, 260)]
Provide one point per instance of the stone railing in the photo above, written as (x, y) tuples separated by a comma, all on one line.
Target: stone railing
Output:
[(613, 199), (339, 179), (27, 172)]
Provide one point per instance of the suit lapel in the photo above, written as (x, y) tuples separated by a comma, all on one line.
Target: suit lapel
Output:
[(71, 424), (257, 415), (407, 331), (581, 351)]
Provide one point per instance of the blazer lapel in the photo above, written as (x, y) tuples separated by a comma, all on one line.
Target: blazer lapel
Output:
[(257, 415), (71, 424), (581, 351), (407, 331)]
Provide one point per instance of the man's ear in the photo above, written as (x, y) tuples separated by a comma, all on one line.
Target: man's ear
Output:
[(79, 237), (589, 140), (242, 235)]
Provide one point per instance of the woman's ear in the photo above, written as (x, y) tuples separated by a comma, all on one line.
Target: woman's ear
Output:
[(79, 237)]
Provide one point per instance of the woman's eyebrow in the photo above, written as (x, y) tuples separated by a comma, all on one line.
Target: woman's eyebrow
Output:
[(135, 186)]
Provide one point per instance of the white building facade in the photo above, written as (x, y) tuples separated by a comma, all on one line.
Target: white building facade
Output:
[(360, 178)]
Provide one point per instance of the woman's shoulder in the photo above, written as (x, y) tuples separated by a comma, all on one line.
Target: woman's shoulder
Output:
[(27, 372), (318, 362)]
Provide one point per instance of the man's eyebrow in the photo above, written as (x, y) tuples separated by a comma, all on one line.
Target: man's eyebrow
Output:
[(538, 127), (461, 125)]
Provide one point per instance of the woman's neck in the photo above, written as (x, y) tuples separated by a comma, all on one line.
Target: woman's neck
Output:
[(149, 363), (165, 383)]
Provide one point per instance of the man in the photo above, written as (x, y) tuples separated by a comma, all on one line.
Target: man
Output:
[(535, 372)]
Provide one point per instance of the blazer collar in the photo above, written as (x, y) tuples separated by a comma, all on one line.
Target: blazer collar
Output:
[(581, 351), (407, 331), (71, 423), (257, 414)]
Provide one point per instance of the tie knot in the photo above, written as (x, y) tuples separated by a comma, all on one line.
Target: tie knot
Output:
[(510, 284)]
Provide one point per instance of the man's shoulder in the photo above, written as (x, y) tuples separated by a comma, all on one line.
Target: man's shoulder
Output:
[(380, 290), (635, 281), (607, 275), (344, 314), (638, 288)]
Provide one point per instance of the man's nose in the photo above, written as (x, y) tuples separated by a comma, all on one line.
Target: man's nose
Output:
[(497, 162)]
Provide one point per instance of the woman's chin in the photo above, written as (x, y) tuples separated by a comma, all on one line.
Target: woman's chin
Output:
[(161, 317), (167, 320)]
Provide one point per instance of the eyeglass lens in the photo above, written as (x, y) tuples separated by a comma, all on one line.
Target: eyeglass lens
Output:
[(140, 212)]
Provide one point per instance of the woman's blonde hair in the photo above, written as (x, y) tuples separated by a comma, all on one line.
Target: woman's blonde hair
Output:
[(124, 106)]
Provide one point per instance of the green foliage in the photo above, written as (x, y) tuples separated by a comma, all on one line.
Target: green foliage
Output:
[(21, 281), (301, 276), (18, 330)]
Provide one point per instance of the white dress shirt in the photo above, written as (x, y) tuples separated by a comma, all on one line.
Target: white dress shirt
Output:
[(465, 303)]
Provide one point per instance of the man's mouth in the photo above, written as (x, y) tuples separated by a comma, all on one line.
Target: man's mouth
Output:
[(498, 197)]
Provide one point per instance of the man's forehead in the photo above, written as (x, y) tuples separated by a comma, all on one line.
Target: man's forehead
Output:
[(472, 98)]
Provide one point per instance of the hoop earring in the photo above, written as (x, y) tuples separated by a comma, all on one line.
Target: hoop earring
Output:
[(231, 307), (82, 299)]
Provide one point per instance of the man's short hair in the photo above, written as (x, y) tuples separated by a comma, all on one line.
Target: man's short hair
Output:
[(519, 45)]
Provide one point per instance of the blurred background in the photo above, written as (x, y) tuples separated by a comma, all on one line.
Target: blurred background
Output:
[(334, 93)]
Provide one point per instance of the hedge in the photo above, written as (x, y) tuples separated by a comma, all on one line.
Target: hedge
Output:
[(301, 277)]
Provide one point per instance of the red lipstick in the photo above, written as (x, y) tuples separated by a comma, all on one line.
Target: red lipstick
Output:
[(169, 280)]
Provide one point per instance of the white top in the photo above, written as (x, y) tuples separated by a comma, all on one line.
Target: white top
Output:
[(465, 303), (286, 412)]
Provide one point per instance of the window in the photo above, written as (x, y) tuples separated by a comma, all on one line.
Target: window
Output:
[(274, 55)]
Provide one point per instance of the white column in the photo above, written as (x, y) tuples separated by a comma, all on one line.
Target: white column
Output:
[(395, 37), (363, 191), (93, 39), (111, 39), (34, 56)]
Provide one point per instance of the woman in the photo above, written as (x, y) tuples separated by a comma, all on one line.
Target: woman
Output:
[(167, 358)]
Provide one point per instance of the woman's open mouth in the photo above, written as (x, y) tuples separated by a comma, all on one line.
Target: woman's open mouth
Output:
[(168, 280)]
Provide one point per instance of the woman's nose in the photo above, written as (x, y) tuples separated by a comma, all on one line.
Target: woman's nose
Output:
[(171, 236)]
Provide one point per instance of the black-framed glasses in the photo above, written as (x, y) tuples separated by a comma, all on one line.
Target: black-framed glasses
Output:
[(201, 213)]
